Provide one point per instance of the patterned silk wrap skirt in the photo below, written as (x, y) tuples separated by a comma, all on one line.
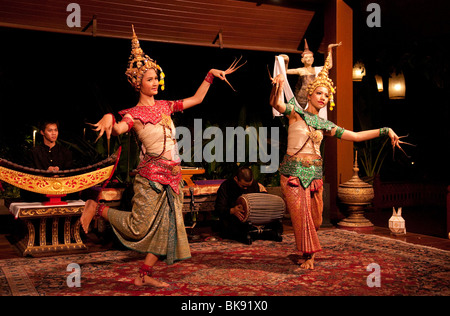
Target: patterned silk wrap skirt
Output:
[(304, 202), (155, 224)]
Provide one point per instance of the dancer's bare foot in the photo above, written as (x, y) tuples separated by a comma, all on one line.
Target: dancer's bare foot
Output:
[(149, 281), (88, 214), (308, 264)]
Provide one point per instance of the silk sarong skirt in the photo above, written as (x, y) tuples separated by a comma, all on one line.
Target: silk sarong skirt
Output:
[(155, 224), (305, 207)]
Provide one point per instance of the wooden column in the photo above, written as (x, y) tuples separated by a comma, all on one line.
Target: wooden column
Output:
[(338, 154), (448, 211)]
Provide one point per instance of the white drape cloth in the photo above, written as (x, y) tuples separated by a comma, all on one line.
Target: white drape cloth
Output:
[(287, 94)]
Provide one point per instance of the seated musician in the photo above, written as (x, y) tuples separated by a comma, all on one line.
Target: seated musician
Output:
[(230, 214), (49, 155)]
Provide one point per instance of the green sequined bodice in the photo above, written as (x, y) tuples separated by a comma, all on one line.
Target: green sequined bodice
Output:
[(305, 171)]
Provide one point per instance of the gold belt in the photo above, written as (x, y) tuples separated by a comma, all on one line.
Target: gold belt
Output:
[(307, 162)]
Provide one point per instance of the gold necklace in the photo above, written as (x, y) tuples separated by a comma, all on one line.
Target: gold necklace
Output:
[(146, 104)]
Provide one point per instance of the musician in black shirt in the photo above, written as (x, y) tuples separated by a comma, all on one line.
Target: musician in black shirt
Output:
[(230, 214), (50, 155)]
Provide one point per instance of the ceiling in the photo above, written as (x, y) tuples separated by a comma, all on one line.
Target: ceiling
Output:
[(266, 25)]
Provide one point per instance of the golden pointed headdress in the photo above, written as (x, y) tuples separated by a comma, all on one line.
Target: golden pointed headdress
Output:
[(139, 63), (322, 80)]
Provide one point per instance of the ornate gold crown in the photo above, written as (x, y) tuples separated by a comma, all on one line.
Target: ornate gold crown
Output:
[(322, 80), (139, 63)]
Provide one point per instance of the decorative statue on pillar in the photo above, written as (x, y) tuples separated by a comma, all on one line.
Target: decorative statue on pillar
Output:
[(306, 74)]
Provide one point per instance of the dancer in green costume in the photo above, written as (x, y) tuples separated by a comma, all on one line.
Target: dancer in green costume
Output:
[(301, 169)]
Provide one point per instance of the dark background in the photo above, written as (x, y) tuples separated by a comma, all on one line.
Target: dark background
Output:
[(77, 79), (412, 39)]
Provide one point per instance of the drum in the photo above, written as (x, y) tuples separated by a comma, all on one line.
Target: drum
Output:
[(261, 208)]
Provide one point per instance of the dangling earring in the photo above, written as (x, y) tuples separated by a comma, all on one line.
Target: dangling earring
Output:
[(309, 100)]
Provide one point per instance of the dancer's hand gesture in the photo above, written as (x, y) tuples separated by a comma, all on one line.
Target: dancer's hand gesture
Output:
[(395, 142), (105, 125), (222, 73)]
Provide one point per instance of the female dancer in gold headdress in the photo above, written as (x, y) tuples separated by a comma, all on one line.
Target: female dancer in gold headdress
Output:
[(301, 168), (155, 226)]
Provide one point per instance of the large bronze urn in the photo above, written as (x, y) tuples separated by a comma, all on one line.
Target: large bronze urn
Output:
[(355, 195)]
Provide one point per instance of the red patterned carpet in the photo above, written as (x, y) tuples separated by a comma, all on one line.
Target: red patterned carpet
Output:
[(265, 268)]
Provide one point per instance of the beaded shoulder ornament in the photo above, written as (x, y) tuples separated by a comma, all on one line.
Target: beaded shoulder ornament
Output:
[(139, 63)]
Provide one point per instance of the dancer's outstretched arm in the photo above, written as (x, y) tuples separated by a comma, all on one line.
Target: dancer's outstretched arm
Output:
[(275, 95), (198, 97), (374, 133)]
